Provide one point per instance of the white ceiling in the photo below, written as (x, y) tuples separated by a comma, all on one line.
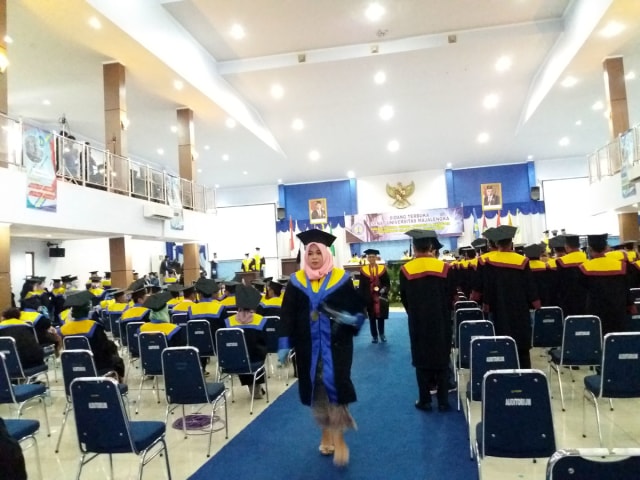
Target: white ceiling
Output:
[(436, 88)]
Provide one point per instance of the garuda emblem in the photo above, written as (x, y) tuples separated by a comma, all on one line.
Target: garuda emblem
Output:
[(400, 194)]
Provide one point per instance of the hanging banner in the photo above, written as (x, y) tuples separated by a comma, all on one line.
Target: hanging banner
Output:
[(378, 227), (627, 154), (175, 201), (38, 158)]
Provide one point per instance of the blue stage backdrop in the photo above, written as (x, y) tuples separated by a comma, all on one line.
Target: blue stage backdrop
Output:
[(340, 196)]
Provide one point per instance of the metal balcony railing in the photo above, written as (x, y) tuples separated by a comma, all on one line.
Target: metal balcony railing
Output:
[(609, 159)]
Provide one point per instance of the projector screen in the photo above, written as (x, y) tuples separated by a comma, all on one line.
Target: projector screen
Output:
[(239, 230)]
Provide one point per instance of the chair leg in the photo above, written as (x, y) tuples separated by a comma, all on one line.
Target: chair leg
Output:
[(611, 404), (37, 450), (560, 385), (226, 417), (266, 387), (139, 393), (213, 409), (469, 428), (166, 458), (111, 466), (81, 465), (65, 415), (458, 383), (184, 423), (253, 391), (156, 383), (595, 404), (46, 415)]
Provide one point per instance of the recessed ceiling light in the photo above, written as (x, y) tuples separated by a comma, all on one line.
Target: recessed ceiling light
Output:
[(503, 63), (277, 91), (160, 151), (8, 39), (569, 81), (564, 141), (217, 185), (244, 172), (386, 112), (374, 12), (173, 128), (95, 23), (612, 29), (380, 77), (46, 102), (230, 123), (483, 137), (598, 105), (393, 146), (199, 170), (449, 164), (630, 76), (297, 124), (491, 101), (206, 147), (237, 31), (178, 84), (351, 174), (225, 157), (279, 180), (578, 122), (314, 155)]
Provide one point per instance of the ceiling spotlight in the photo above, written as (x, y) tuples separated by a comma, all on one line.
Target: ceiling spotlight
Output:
[(612, 29), (386, 112), (351, 174), (491, 101), (237, 31), (393, 146), (529, 157), (297, 124), (598, 105), (483, 137), (277, 91), (46, 102), (569, 81), (95, 23), (160, 151), (178, 84), (449, 164), (207, 147), (173, 129), (230, 123), (630, 76), (314, 155), (374, 12), (564, 141), (279, 181), (503, 63), (380, 77), (225, 157), (199, 170), (244, 172), (217, 185), (578, 122)]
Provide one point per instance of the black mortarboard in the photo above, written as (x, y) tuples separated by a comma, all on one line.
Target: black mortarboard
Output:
[(259, 285), (488, 231), (189, 291), (247, 297), (231, 285), (107, 275), (425, 237), (276, 287), (137, 286), (117, 292), (372, 251), (316, 236), (479, 243), (96, 278), (175, 287), (597, 242), (93, 273), (56, 280), (519, 248), (79, 299), (283, 280), (533, 251), (156, 288), (157, 301), (72, 278), (572, 240), (557, 243), (503, 232), (206, 286)]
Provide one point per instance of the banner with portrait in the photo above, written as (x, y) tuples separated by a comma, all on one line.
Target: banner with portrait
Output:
[(378, 227), (175, 201), (38, 158)]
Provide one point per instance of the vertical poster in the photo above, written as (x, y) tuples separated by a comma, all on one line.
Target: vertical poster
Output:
[(627, 150), (491, 194), (318, 210), (175, 201), (38, 157)]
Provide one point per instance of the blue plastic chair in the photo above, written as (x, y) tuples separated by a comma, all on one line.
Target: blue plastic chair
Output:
[(619, 377), (185, 385), (462, 315), (547, 327), (151, 345), (23, 431), (594, 464), (233, 359), (272, 337), (199, 336), (113, 319), (77, 364), (517, 421), (464, 304), (179, 318), (76, 342), (132, 329), (104, 428), (467, 331), (14, 366), (21, 394), (581, 346)]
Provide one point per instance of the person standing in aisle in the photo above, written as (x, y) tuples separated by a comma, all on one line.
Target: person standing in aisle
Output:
[(571, 291), (374, 287)]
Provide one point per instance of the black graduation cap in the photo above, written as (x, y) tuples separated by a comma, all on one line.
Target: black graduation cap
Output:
[(276, 286), (231, 285), (175, 287), (189, 291), (206, 286), (137, 286), (79, 299), (156, 288), (557, 243), (597, 242), (246, 254), (425, 237), (157, 301), (94, 273), (247, 297), (372, 251), (503, 232), (316, 236), (533, 251), (479, 243), (487, 231), (117, 292), (259, 285), (96, 278), (519, 248), (56, 280), (572, 240), (107, 275)]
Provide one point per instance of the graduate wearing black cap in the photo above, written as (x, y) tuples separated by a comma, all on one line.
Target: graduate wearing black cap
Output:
[(258, 262), (542, 274), (136, 312), (571, 291), (208, 308), (485, 248), (374, 287), (509, 291), (228, 299), (188, 296), (106, 281), (427, 292), (607, 286), (32, 311), (321, 312), (160, 322), (29, 349), (271, 302), (58, 292), (105, 352)]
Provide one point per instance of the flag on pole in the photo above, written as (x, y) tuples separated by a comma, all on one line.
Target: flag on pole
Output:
[(476, 227), (332, 247), (498, 219), (291, 242), (484, 222), (509, 221)]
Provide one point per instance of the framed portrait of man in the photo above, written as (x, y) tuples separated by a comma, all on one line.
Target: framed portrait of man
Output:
[(491, 194), (318, 210)]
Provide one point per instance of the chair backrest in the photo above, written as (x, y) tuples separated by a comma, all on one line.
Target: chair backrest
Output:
[(633, 321), (468, 330), (9, 348), (516, 415), (462, 315), (6, 389), (464, 304), (581, 340), (76, 342), (620, 374), (183, 379), (490, 353), (635, 293), (152, 344), (132, 332), (199, 336), (104, 319), (113, 321), (101, 421), (594, 464), (233, 355), (547, 327), (179, 318), (272, 336), (76, 364)]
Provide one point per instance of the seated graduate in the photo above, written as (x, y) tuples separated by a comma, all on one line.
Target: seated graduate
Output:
[(33, 313), (159, 320), (136, 312), (105, 352), (188, 299), (253, 325), (106, 281), (208, 308), (271, 304), (175, 289), (119, 303), (29, 350), (11, 456), (228, 301)]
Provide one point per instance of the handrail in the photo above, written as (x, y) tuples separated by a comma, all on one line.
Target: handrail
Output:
[(88, 166), (610, 159)]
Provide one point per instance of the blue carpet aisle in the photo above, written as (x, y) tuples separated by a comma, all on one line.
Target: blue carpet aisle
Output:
[(393, 440)]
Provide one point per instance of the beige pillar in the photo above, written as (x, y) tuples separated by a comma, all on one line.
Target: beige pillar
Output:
[(186, 142), (628, 225), (191, 267), (116, 122), (616, 92), (120, 261), (5, 265)]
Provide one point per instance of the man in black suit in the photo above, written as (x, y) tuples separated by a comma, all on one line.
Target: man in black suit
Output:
[(490, 197), (318, 211)]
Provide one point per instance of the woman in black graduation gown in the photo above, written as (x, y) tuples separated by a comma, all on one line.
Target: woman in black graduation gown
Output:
[(321, 312)]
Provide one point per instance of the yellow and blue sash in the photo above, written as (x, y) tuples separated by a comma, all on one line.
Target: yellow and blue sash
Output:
[(169, 329), (256, 323)]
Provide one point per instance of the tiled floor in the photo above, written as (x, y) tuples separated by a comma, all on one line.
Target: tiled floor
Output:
[(621, 428)]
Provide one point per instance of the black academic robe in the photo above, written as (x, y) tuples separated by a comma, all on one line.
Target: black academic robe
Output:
[(105, 352), (11, 457), (256, 340), (571, 289), (607, 285), (315, 336), (427, 291), (368, 281), (509, 292), (29, 350), (541, 275)]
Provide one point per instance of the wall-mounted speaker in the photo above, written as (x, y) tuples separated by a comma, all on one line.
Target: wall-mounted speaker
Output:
[(281, 214), (535, 193)]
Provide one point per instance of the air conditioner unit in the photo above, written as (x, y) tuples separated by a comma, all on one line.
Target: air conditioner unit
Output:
[(157, 211)]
